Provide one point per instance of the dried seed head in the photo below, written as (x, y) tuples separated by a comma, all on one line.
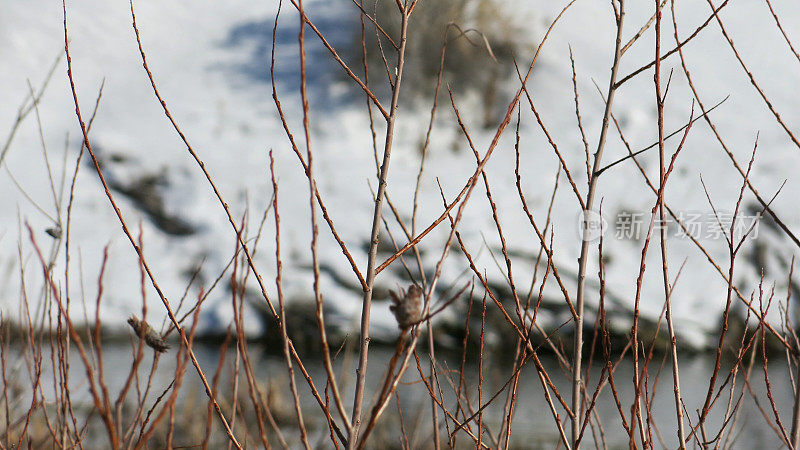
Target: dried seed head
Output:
[(407, 306), (150, 336), (54, 232)]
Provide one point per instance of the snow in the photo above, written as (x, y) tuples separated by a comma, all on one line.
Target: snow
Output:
[(210, 61)]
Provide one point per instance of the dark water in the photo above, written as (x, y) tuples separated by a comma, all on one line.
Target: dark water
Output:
[(533, 425)]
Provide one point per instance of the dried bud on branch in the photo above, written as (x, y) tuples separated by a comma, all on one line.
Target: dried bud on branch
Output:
[(407, 306), (146, 332)]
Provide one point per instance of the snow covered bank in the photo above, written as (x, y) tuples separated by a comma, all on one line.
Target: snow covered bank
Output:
[(210, 61)]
